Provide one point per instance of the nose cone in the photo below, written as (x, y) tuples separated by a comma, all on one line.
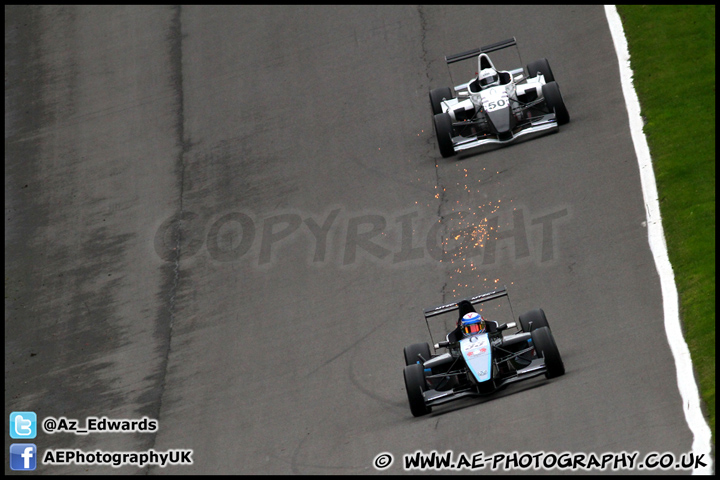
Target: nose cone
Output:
[(502, 120)]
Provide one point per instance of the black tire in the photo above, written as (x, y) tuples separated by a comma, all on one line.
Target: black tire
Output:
[(555, 102), (411, 352), (537, 317), (545, 347), (415, 385), (443, 130), (542, 66), (436, 96)]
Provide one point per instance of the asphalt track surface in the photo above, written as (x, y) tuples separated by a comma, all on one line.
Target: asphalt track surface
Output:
[(265, 329)]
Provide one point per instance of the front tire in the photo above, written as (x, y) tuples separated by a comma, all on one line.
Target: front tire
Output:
[(437, 95), (415, 385), (555, 102), (546, 348), (443, 131), (540, 66), (411, 353), (537, 317)]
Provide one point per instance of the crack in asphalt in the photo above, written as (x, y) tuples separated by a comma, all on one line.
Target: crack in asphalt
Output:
[(438, 186), (175, 37)]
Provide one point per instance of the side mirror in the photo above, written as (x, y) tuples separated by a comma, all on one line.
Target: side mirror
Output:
[(441, 345), (517, 72), (505, 326)]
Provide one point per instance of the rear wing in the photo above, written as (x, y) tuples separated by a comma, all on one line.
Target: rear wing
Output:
[(449, 307), (458, 57)]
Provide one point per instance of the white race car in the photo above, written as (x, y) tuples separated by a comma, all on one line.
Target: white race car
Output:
[(497, 107)]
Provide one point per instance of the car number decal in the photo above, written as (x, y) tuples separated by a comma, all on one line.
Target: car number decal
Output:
[(494, 99), (477, 354)]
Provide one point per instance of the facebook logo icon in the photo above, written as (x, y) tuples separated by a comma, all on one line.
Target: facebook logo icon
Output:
[(23, 425), (23, 456)]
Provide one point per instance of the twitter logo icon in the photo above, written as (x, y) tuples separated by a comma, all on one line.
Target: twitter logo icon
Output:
[(23, 425)]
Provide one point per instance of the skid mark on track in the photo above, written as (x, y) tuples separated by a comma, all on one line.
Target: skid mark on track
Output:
[(295, 465), (346, 349), (366, 391)]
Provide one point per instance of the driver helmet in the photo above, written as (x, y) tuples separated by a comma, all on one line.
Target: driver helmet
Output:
[(472, 324), (488, 77)]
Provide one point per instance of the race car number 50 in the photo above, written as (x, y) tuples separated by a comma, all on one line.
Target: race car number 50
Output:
[(491, 105)]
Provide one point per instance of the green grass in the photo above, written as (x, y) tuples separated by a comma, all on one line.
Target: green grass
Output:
[(672, 54)]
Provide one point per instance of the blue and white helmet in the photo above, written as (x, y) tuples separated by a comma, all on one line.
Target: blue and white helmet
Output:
[(472, 324)]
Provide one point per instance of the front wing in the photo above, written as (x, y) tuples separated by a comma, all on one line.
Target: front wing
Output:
[(435, 397), (538, 126)]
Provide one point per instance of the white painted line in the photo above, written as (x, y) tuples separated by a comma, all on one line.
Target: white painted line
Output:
[(656, 236)]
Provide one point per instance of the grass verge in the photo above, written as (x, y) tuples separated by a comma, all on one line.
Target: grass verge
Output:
[(672, 54)]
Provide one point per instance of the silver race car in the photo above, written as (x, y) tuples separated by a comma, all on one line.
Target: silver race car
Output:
[(497, 107)]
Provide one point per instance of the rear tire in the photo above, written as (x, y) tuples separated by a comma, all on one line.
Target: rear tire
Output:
[(555, 102), (411, 352), (443, 130), (545, 347), (436, 96), (537, 317), (542, 66), (415, 385)]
